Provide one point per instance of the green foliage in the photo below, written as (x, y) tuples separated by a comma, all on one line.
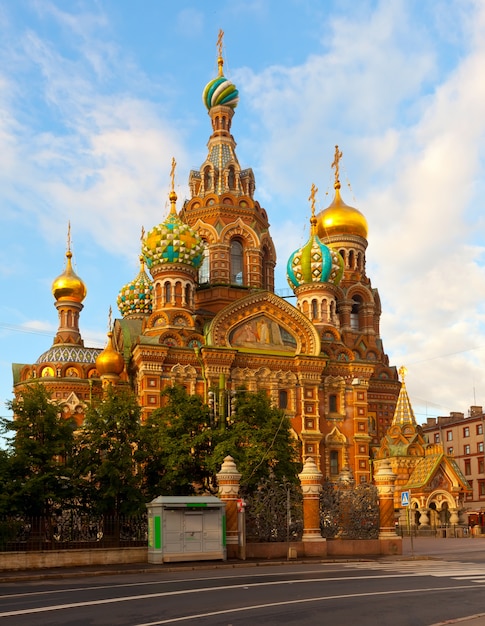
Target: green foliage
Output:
[(107, 453), (37, 468), (176, 444), (113, 464), (259, 438)]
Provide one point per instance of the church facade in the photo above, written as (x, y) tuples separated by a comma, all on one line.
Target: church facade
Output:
[(202, 312)]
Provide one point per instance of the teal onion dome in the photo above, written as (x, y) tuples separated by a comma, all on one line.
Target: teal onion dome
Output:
[(173, 241), (314, 263), (136, 297), (220, 92)]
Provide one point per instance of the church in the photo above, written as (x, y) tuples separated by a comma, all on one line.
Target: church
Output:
[(202, 312)]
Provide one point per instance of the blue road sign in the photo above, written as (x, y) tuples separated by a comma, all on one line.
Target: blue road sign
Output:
[(404, 498)]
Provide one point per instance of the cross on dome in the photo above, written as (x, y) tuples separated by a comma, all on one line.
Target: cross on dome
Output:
[(336, 165)]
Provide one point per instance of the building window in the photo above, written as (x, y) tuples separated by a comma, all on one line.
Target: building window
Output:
[(450, 451), (436, 437), (449, 435), (334, 468), (466, 449), (469, 495), (480, 446), (479, 429), (466, 431), (236, 262), (204, 269), (332, 403), (283, 399), (468, 467), (168, 293), (266, 275), (481, 489), (481, 466), (355, 313)]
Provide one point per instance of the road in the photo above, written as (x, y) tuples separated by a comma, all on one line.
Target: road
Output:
[(417, 590)]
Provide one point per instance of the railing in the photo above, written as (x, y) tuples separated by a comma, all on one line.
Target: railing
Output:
[(70, 530)]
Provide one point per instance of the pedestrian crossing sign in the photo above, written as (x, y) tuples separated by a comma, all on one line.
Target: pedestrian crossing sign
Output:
[(404, 498)]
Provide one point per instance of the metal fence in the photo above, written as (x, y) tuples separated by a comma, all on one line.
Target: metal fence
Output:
[(71, 529)]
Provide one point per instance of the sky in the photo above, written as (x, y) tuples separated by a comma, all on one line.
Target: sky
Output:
[(97, 96)]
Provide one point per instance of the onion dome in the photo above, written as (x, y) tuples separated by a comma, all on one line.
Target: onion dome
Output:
[(110, 361), (340, 218), (173, 241), (220, 91), (68, 286), (314, 262), (136, 297)]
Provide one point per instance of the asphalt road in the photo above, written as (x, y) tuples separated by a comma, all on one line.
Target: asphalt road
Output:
[(435, 581)]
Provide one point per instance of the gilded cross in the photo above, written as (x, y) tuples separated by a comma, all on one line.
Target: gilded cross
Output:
[(220, 60), (335, 164), (172, 173), (313, 193), (402, 372)]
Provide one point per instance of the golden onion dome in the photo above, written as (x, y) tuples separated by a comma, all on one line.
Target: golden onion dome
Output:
[(68, 286), (341, 219), (110, 361)]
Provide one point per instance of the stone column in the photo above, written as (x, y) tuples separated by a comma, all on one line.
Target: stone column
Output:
[(423, 518), (384, 480), (311, 486), (228, 480)]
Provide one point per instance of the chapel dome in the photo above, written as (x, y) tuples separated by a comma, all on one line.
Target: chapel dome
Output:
[(135, 298), (314, 262), (341, 219), (173, 241), (68, 286), (110, 361)]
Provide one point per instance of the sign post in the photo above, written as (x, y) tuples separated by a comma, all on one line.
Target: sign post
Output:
[(405, 502)]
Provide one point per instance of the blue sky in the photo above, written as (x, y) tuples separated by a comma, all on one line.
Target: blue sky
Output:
[(97, 96)]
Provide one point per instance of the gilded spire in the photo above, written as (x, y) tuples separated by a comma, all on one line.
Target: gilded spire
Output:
[(68, 286), (336, 164), (403, 413), (220, 60), (173, 196), (313, 219)]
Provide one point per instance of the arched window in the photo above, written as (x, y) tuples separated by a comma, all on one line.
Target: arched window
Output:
[(283, 399), (355, 313), (207, 179), (266, 270), (334, 467), (204, 269), (188, 295), (168, 292), (231, 179), (314, 310), (332, 403), (236, 262)]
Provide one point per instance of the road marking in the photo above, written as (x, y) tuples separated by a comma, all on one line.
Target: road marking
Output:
[(162, 594), (185, 618), (438, 569)]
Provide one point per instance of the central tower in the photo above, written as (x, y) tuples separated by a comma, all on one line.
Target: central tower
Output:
[(239, 252)]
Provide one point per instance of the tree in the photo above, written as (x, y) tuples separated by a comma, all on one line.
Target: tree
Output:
[(258, 436), (39, 453), (107, 454), (177, 443)]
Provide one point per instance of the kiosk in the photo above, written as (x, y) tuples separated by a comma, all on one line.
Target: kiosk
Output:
[(186, 528)]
